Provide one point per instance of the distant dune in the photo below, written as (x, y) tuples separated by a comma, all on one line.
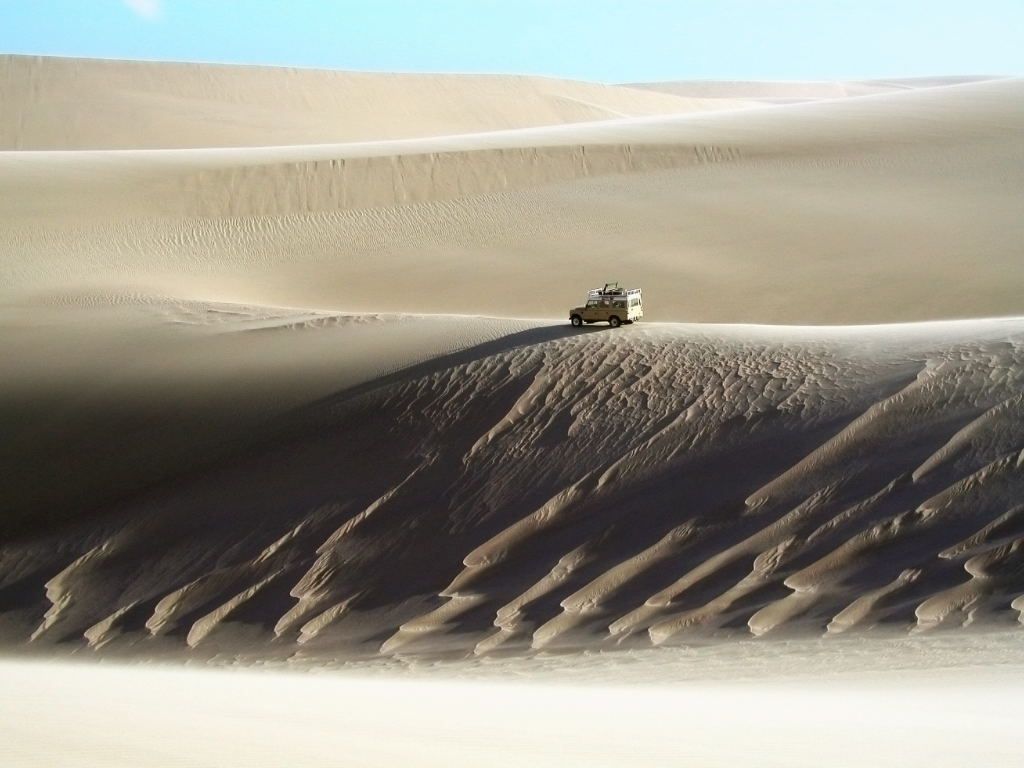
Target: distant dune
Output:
[(66, 103), (289, 374), (895, 207), (793, 91)]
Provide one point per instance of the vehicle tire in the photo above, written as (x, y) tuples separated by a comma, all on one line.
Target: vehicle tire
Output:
[(614, 321), (576, 321)]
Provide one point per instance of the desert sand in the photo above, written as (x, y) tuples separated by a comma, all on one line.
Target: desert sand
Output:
[(288, 382), (796, 705), (894, 207)]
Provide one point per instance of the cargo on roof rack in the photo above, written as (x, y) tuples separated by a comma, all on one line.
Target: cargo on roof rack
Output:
[(612, 289)]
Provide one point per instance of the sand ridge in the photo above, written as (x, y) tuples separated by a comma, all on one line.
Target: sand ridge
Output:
[(879, 472)]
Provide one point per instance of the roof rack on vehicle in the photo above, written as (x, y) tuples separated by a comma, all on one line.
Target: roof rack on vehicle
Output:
[(611, 289)]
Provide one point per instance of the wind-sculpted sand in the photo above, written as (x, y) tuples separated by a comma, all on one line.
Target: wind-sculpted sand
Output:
[(287, 381), (534, 488)]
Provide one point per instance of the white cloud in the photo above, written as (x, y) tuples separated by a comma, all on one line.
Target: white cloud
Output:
[(150, 10)]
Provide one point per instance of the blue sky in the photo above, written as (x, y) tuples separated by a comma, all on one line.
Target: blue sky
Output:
[(606, 40)]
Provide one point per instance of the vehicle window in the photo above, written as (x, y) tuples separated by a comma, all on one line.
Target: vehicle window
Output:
[(620, 305), (593, 303)]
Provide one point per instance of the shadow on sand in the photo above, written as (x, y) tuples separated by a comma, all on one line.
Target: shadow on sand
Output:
[(497, 346)]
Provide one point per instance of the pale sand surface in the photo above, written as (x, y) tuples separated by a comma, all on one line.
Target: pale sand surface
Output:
[(68, 103), (933, 706), (895, 207), (287, 381), (796, 91)]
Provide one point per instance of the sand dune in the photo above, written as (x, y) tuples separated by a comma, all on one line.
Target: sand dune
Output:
[(539, 489), (266, 401), (830, 212), (68, 103)]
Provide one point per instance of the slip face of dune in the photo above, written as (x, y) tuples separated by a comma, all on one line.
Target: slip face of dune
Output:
[(549, 489)]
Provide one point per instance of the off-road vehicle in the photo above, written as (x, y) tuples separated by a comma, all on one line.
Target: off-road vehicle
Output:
[(611, 304)]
